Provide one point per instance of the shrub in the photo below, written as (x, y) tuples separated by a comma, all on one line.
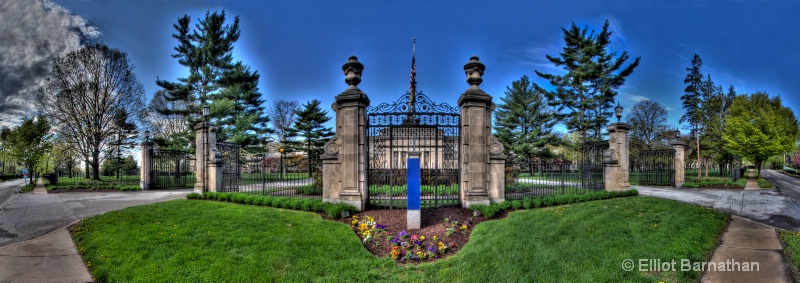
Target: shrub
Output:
[(493, 210), (334, 210), (527, 203)]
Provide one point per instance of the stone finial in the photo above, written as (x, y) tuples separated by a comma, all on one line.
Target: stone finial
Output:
[(352, 71), (474, 70)]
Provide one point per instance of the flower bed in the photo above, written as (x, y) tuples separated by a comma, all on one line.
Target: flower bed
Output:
[(444, 231)]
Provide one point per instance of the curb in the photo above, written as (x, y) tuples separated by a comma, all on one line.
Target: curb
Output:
[(46, 234)]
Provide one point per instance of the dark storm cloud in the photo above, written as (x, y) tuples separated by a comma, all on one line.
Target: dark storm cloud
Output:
[(32, 33)]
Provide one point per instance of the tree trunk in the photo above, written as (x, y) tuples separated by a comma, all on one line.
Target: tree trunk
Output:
[(708, 163), (697, 139)]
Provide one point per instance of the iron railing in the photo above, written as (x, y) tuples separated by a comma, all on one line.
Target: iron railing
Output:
[(171, 169), (287, 175)]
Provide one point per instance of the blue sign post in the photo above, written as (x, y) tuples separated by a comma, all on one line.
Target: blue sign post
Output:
[(413, 215)]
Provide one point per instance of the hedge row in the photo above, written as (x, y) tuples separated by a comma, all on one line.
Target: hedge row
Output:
[(334, 210), (94, 187), (494, 210)]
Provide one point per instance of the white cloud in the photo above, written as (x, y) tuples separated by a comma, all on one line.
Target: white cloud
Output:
[(34, 33)]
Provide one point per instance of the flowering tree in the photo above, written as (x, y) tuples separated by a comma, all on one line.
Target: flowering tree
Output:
[(796, 159)]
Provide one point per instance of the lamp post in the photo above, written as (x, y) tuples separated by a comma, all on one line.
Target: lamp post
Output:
[(281, 150), (618, 112), (205, 112)]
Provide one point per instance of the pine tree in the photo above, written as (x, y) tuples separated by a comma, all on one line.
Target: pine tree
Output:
[(309, 126), (583, 96), (229, 88), (692, 99), (524, 121), (246, 122)]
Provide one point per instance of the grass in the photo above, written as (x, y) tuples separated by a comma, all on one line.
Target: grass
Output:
[(29, 187), (204, 241), (791, 239), (764, 184)]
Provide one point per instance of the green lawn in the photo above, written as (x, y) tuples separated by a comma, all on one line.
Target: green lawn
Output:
[(764, 184), (203, 241), (792, 249)]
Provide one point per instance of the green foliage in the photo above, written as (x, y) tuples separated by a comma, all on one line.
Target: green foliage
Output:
[(83, 186), (28, 142), (333, 210), (495, 209), (584, 95), (792, 249), (310, 127), (759, 127), (230, 88), (523, 120), (692, 96), (764, 184)]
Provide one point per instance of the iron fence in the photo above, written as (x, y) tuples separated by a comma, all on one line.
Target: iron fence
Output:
[(653, 168), (171, 169), (287, 175), (556, 175)]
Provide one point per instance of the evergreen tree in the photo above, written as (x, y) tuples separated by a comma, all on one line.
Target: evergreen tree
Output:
[(229, 88), (309, 126), (246, 122), (584, 95), (692, 99), (524, 121)]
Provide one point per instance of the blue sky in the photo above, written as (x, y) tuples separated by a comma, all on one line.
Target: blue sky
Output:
[(298, 47)]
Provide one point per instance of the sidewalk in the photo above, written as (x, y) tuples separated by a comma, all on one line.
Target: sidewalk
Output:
[(745, 242), (50, 258), (39, 189), (39, 247)]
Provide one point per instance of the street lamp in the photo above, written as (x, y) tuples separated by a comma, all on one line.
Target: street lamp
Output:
[(677, 134), (281, 150), (146, 135), (206, 109), (618, 112)]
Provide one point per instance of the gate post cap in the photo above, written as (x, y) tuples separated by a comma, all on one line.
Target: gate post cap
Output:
[(352, 71), (474, 70)]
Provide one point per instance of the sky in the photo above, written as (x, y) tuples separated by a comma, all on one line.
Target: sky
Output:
[(299, 46)]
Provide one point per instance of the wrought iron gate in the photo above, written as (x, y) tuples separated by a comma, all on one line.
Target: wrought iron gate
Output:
[(171, 169), (653, 167), (592, 165), (413, 124), (230, 166)]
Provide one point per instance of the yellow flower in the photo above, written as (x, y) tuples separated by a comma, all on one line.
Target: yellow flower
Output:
[(422, 238)]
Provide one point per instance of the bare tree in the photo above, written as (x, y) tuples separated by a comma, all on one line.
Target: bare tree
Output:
[(162, 117), (86, 90), (282, 113), (648, 121)]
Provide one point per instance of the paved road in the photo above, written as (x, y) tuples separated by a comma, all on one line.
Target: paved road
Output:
[(765, 206), (789, 186), (9, 188), (27, 216)]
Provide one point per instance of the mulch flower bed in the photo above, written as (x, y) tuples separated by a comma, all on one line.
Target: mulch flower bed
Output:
[(444, 231)]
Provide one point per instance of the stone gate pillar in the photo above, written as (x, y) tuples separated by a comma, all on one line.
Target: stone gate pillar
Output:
[(208, 160), (678, 163), (343, 168), (145, 179), (482, 158), (615, 160)]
